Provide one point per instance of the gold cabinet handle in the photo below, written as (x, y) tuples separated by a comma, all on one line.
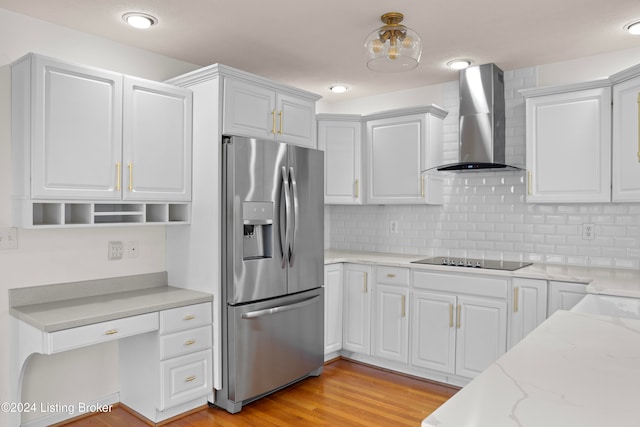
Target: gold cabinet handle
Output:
[(391, 275), (639, 127), (365, 282), (422, 186), (111, 332), (529, 183), (130, 176), (459, 311), (404, 309), (189, 317), (273, 121), (357, 188), (281, 115), (189, 379), (189, 342), (118, 176), (451, 315), (515, 299)]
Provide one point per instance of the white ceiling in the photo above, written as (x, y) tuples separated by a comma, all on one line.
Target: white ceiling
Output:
[(312, 45)]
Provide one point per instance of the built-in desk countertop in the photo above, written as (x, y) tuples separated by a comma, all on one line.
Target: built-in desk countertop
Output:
[(54, 318)]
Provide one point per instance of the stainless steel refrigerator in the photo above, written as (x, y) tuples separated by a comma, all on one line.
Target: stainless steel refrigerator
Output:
[(272, 268)]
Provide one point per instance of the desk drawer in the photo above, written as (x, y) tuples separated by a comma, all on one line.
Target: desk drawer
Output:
[(96, 333), (185, 378), (187, 317), (185, 342)]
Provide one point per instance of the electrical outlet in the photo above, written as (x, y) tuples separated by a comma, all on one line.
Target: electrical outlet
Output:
[(116, 250), (588, 231), (132, 249), (393, 227), (9, 238)]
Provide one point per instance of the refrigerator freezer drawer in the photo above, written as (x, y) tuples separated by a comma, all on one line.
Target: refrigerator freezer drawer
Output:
[(275, 343)]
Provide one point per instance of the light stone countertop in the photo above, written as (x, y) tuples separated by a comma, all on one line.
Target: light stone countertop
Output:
[(56, 307), (621, 282), (575, 369)]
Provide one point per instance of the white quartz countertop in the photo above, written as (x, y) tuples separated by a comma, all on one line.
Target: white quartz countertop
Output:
[(608, 281), (575, 369), (74, 311)]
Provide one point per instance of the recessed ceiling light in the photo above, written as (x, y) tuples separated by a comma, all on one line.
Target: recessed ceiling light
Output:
[(459, 64), (338, 88), (633, 27), (139, 20)]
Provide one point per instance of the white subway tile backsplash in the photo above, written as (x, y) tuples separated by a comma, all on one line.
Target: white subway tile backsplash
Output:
[(485, 214)]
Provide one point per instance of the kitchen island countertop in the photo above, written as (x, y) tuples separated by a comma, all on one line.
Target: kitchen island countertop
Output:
[(610, 281), (575, 369)]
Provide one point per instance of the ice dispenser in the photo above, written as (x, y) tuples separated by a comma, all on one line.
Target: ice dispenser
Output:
[(257, 241)]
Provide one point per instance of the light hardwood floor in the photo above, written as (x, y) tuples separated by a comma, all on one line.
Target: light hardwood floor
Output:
[(346, 394)]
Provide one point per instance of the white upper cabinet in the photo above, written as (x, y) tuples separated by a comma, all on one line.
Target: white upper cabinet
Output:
[(398, 149), (156, 141), (67, 126), (568, 133), (626, 136), (341, 141), (85, 134), (257, 111)]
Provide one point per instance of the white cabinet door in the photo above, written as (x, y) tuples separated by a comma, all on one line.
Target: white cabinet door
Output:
[(156, 141), (564, 295), (391, 322), (77, 131), (626, 141), (399, 149), (528, 309), (433, 335), (395, 159), (333, 290), (481, 336), (249, 110), (341, 142), (296, 120), (357, 309), (569, 146)]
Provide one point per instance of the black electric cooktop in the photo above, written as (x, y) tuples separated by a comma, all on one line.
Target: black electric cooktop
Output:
[(473, 263)]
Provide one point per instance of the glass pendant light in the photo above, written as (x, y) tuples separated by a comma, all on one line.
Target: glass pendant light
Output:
[(393, 47)]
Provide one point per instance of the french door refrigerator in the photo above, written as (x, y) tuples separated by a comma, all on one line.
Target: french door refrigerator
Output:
[(272, 268)]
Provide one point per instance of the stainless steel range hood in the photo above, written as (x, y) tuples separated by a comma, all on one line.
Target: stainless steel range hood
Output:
[(482, 120)]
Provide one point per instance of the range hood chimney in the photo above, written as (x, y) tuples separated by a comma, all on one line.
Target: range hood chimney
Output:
[(482, 121)]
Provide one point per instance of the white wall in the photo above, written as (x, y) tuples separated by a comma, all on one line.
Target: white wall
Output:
[(54, 256)]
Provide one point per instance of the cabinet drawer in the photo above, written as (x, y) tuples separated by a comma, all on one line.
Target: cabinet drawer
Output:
[(182, 318), (185, 378), (475, 285), (185, 342), (82, 336), (392, 275)]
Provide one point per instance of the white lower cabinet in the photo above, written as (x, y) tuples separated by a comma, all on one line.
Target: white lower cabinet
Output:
[(459, 335), (333, 290), (564, 295), (459, 322), (528, 307), (356, 327), (390, 314), (167, 373)]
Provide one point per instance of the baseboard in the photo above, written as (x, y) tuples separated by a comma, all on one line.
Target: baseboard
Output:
[(59, 412)]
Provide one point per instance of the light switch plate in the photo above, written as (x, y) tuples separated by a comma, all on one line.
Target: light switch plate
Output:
[(8, 238)]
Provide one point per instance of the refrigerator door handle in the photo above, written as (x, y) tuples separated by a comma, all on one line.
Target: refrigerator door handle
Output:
[(296, 215), (287, 221), (280, 308)]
